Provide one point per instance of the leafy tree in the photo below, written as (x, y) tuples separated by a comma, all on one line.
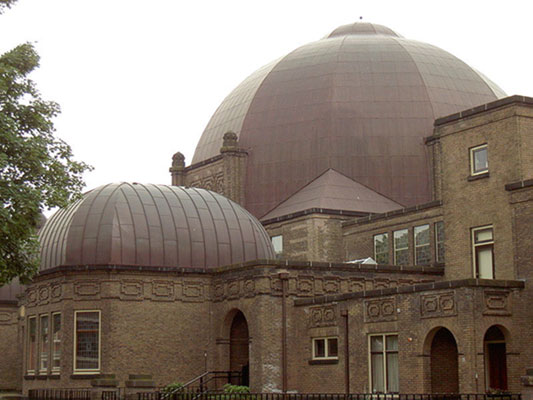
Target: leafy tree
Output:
[(6, 4), (36, 169)]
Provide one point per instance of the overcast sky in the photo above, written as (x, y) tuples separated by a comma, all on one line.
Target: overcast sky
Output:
[(139, 80)]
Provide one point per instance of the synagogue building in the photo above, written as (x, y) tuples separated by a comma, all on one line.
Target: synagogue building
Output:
[(357, 217)]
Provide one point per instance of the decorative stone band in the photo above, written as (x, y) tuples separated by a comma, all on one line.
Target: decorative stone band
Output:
[(421, 287)]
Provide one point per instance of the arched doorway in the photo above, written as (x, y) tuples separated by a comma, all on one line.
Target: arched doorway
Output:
[(444, 363), (495, 359), (238, 351)]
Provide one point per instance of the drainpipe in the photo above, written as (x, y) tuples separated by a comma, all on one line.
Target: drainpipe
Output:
[(344, 314), (284, 277)]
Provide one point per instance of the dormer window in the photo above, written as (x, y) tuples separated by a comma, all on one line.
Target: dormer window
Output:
[(479, 160)]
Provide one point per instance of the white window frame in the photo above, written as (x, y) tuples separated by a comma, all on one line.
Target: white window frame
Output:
[(326, 340), (441, 243), (484, 243), (401, 248), (416, 245), (386, 235), (30, 369), (473, 150), (55, 370), (384, 352), (44, 348), (79, 371)]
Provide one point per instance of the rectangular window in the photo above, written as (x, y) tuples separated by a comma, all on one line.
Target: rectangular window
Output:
[(381, 248), (44, 344), (384, 375), (277, 243), (325, 348), (422, 246), (56, 342), (32, 344), (87, 341), (439, 242), (401, 247), (483, 251), (479, 160)]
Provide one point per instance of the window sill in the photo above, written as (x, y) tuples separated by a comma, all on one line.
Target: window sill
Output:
[(324, 362), (82, 375), (478, 176)]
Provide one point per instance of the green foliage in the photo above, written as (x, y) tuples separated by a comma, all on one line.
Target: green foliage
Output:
[(36, 169), (233, 389), (6, 4), (172, 388)]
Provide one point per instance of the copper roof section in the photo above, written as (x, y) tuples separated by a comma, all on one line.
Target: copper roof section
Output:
[(362, 28), (334, 191), (360, 101), (152, 226)]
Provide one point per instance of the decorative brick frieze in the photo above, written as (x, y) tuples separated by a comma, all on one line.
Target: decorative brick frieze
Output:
[(438, 305), (496, 302), (131, 290), (380, 310), (163, 290), (8, 317), (323, 316), (87, 290)]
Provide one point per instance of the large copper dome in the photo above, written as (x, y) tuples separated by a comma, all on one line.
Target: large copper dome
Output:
[(152, 226), (359, 101)]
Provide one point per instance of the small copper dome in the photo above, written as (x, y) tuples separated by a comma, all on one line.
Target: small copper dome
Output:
[(360, 101), (152, 226)]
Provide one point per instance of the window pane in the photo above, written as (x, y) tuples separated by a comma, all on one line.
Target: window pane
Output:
[(332, 347), (421, 235), (392, 373), (402, 257), (483, 235), (32, 343), (87, 326), (56, 342), (378, 376), (401, 247), (44, 343), (320, 348), (484, 262), (401, 240), (381, 248), (277, 243), (392, 343), (480, 160), (376, 343)]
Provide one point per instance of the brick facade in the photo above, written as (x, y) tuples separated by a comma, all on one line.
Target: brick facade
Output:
[(176, 324)]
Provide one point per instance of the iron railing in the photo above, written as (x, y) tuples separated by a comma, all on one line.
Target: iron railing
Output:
[(59, 394), (219, 395), (193, 393)]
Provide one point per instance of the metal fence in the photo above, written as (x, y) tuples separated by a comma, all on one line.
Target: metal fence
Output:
[(59, 394), (211, 395), (194, 394)]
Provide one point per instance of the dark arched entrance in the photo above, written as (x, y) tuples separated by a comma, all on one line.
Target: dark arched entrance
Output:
[(238, 351), (495, 359), (444, 363)]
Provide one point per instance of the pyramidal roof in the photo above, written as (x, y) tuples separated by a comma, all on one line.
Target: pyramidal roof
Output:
[(333, 191)]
